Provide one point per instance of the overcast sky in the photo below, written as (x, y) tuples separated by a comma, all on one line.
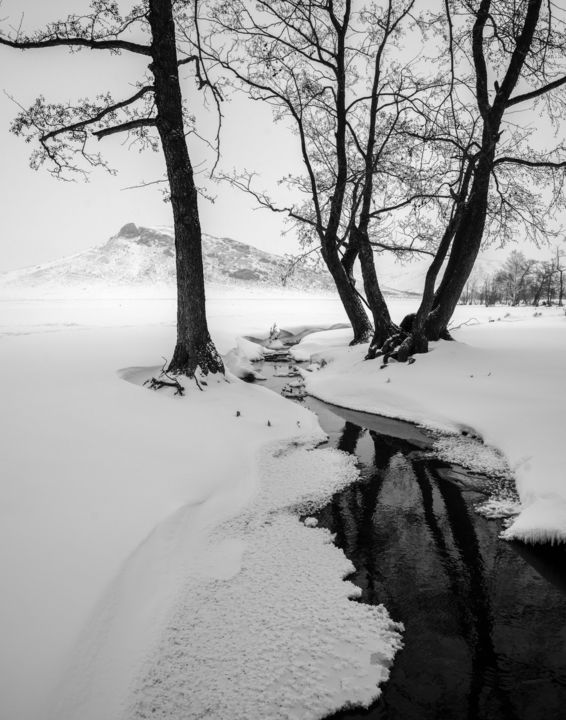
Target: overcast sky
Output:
[(43, 219)]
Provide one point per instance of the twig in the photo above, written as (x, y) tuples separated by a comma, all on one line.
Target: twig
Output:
[(467, 322)]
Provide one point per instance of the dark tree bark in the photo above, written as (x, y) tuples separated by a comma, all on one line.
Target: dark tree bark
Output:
[(194, 348), (465, 249), (383, 326), (417, 325), (351, 301)]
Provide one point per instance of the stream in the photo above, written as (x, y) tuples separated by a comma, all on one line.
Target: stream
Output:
[(485, 620)]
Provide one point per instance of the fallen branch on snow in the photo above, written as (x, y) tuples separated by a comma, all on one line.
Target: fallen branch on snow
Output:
[(158, 383)]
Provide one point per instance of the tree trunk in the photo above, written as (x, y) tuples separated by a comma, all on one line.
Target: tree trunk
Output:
[(384, 328), (416, 325), (465, 249), (194, 348), (349, 258), (468, 237), (351, 301)]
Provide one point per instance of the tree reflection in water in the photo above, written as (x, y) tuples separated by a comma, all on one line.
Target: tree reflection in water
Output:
[(484, 630)]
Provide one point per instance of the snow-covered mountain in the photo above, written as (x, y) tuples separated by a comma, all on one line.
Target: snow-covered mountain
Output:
[(143, 258), (140, 261)]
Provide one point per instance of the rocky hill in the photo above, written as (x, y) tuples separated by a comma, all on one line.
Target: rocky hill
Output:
[(142, 257)]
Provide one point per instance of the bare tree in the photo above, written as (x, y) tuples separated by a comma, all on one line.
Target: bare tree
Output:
[(333, 70), (491, 193), (64, 135), (516, 48)]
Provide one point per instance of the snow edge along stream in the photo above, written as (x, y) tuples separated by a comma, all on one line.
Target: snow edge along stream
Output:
[(271, 633)]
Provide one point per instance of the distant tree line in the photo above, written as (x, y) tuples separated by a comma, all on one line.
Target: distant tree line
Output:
[(519, 281)]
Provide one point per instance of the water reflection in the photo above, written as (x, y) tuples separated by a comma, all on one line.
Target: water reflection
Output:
[(485, 634)]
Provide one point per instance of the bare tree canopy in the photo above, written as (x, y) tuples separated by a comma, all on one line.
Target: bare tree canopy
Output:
[(334, 72)]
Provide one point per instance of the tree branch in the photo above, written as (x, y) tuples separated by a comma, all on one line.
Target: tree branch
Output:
[(536, 93), (99, 116), (482, 97), (125, 127), (530, 163), (57, 41)]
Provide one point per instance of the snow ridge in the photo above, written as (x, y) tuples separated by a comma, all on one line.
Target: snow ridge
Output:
[(267, 629)]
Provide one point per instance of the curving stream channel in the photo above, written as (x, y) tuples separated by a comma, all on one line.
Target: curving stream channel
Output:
[(485, 620)]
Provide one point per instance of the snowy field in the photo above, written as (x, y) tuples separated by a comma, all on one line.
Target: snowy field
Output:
[(113, 496), (130, 519)]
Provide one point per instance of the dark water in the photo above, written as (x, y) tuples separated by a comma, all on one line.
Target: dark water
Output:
[(485, 620)]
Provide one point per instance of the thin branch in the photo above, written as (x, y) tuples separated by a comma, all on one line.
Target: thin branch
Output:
[(400, 248), (145, 184)]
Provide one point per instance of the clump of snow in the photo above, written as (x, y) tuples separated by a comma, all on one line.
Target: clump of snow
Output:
[(278, 636), (289, 371), (319, 343), (543, 521), (313, 367), (239, 359), (241, 367), (249, 350), (294, 390), (471, 454), (311, 522), (497, 508)]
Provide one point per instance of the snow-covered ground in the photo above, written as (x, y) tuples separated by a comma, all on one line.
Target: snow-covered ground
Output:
[(505, 379), (117, 503), (133, 523)]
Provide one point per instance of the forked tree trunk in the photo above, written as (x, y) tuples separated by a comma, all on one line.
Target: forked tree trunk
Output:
[(194, 348), (384, 327), (417, 340), (416, 325), (351, 301), (465, 249)]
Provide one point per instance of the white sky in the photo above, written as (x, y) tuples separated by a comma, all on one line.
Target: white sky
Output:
[(43, 219)]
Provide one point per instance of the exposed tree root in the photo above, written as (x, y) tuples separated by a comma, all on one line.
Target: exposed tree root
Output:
[(362, 337), (158, 383), (166, 380), (400, 347), (188, 360)]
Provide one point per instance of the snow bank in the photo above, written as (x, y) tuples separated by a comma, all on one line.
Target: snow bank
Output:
[(110, 492), (239, 359), (97, 473), (249, 350), (504, 378), (272, 634)]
